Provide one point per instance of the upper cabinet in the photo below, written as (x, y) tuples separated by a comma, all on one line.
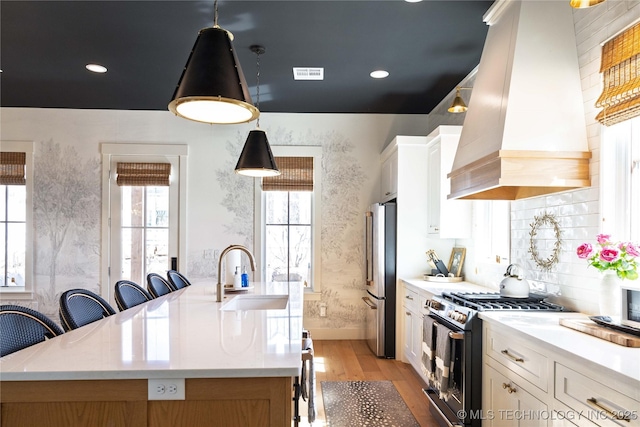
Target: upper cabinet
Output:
[(446, 219), (389, 177), (404, 178)]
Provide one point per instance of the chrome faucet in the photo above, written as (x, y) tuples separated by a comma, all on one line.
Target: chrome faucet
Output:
[(228, 249)]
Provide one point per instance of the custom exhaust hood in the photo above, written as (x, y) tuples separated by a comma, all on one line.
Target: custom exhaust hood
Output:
[(524, 133)]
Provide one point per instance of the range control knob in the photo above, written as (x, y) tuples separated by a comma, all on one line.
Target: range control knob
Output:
[(434, 304), (457, 316)]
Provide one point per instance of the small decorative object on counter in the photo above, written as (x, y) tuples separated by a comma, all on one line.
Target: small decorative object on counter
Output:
[(237, 281), (617, 261), (619, 257), (245, 277)]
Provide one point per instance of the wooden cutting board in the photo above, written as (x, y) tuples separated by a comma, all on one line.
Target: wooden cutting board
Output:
[(589, 327)]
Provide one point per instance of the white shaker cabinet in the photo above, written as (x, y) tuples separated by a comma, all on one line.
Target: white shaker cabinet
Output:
[(412, 328), (447, 219), (527, 381), (389, 177)]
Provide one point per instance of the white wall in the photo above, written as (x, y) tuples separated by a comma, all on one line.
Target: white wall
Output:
[(219, 202)]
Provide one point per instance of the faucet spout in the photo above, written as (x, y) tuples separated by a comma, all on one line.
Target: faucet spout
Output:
[(252, 262)]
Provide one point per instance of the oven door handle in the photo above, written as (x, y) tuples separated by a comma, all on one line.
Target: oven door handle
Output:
[(453, 335), (456, 335)]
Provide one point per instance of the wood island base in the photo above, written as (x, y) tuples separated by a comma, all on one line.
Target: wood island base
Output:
[(229, 402)]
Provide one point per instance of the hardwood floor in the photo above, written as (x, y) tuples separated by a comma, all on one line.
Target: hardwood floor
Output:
[(346, 360)]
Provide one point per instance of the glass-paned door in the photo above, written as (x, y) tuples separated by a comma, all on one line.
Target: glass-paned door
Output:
[(144, 225)]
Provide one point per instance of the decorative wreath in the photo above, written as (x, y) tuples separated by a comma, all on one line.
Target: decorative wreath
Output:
[(538, 221)]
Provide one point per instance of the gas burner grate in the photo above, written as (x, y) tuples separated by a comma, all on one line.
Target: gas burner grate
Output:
[(494, 301)]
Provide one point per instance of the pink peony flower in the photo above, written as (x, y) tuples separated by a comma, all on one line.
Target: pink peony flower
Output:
[(603, 239), (584, 250), (633, 250), (609, 254)]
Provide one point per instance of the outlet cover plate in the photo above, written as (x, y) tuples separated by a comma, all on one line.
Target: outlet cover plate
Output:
[(166, 389)]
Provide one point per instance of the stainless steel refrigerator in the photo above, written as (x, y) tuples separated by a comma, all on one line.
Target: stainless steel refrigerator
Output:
[(380, 243)]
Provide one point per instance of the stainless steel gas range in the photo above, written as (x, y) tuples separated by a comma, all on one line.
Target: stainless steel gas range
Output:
[(452, 320)]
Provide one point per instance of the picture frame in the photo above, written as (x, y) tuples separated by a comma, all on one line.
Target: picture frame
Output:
[(456, 261)]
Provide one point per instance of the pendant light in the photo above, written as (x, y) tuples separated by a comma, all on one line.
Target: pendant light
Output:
[(458, 105), (212, 88), (583, 4), (256, 159)]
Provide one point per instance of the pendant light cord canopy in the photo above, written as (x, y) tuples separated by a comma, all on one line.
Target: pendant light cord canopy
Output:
[(256, 159), (212, 87)]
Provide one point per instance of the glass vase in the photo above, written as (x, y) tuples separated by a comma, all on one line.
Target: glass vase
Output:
[(610, 294)]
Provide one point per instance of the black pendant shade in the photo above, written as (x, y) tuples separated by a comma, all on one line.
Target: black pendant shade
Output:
[(256, 159), (212, 88)]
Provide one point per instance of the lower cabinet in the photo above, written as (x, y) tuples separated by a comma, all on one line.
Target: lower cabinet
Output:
[(412, 328), (527, 384), (511, 403), (413, 303)]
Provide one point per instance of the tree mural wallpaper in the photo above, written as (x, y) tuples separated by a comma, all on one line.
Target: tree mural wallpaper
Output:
[(342, 220), (67, 218)]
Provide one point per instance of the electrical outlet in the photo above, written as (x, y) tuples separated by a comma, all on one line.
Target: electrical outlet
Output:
[(166, 388), (323, 310)]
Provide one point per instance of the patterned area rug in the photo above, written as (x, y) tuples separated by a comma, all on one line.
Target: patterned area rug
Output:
[(365, 403)]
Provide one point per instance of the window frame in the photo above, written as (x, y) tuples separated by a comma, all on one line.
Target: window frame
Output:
[(110, 150), (26, 147), (620, 169), (313, 293)]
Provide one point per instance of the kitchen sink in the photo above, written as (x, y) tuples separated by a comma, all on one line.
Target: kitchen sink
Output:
[(256, 302)]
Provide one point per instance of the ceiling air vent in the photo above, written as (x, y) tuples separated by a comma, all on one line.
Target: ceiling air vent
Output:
[(308, 73)]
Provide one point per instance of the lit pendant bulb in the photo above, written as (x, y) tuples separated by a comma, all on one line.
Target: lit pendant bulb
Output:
[(583, 4), (458, 105)]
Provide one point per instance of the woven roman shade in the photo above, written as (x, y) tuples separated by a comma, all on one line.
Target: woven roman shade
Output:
[(620, 68), (296, 175), (12, 168), (143, 174)]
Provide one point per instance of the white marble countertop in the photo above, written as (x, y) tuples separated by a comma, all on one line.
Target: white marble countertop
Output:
[(183, 334), (581, 348), (436, 288)]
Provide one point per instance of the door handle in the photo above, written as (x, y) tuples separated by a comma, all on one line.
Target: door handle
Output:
[(369, 303)]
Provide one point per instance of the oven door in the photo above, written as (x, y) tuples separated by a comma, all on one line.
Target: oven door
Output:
[(445, 406)]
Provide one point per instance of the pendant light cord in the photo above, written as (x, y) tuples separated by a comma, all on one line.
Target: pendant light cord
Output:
[(258, 86), (215, 13), (258, 50)]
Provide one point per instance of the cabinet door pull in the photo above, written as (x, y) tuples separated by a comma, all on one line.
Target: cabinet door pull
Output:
[(409, 297), (616, 415), (509, 388), (408, 313), (512, 357), (387, 193)]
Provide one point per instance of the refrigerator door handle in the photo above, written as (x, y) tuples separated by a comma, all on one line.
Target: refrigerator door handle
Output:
[(369, 247), (370, 303)]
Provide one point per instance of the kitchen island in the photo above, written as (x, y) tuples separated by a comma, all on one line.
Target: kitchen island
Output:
[(178, 360)]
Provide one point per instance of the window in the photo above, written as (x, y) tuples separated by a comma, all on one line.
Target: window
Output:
[(142, 232), (620, 180), (289, 218), (16, 218)]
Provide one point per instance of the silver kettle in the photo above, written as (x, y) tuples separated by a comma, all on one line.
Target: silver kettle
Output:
[(514, 285)]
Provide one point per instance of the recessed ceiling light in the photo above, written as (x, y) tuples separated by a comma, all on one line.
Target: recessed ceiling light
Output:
[(379, 74), (413, 1), (96, 68)]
